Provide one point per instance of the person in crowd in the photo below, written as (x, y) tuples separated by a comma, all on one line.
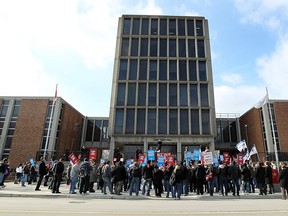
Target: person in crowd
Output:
[(135, 172), (25, 173), (84, 152), (68, 171), (283, 179), (48, 174), (74, 175), (185, 176), (147, 174), (192, 177), (100, 181), (85, 170), (32, 174), (117, 154), (58, 170), (42, 173), (260, 178), (106, 176), (3, 167), (200, 178), (120, 176), (246, 176), (138, 151), (268, 177), (177, 184), (251, 167), (158, 177), (167, 174), (235, 176), (93, 177), (210, 179), (18, 175), (223, 178)]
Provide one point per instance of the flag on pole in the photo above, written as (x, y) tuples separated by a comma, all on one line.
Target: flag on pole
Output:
[(253, 150), (261, 102), (241, 145), (246, 155)]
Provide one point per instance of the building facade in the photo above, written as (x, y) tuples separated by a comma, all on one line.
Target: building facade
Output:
[(266, 126), (24, 125), (162, 86)]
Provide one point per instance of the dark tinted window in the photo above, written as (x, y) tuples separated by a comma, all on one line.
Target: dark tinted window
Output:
[(136, 26), (163, 70), (201, 48), (143, 70), (172, 26), (193, 95), (182, 48), (125, 47), (162, 121), (199, 28), (123, 70), (183, 95), (133, 69), (130, 116), (131, 94), (153, 70), (152, 94), (204, 95), (190, 27), (195, 121), (192, 71), (182, 70), (142, 94), (173, 95), (173, 121), (163, 26), (144, 47), (162, 94), (89, 130), (202, 71), (172, 47), (205, 122), (173, 70), (163, 47), (154, 26), (119, 117), (181, 27), (126, 26), (184, 126), (153, 47), (151, 127), (145, 26), (134, 47), (121, 94), (191, 48), (140, 127)]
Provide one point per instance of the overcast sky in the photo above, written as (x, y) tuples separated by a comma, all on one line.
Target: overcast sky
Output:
[(72, 43)]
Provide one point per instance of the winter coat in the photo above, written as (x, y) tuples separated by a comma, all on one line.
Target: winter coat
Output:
[(93, 174), (42, 168), (200, 172), (246, 174), (158, 177), (283, 177), (260, 175), (120, 173), (268, 175), (147, 172), (234, 172)]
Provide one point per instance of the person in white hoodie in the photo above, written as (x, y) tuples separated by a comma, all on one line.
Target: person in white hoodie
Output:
[(18, 175)]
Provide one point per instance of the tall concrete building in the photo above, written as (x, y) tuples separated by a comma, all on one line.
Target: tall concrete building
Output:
[(162, 85)]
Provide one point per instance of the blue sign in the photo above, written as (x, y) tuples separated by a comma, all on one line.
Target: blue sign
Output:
[(161, 160), (151, 155), (221, 158), (128, 162), (32, 162), (196, 154), (216, 161)]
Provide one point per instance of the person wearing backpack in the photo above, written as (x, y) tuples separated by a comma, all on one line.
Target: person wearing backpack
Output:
[(74, 175), (85, 170), (136, 176), (106, 176), (177, 189)]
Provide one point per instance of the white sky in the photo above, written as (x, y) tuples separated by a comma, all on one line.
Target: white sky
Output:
[(72, 43)]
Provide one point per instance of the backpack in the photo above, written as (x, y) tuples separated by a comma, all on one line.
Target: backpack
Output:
[(172, 179), (83, 173)]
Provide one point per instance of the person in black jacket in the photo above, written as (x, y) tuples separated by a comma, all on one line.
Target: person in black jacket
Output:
[(58, 170), (157, 181), (200, 178), (223, 178), (120, 176), (283, 179), (235, 175), (85, 170), (246, 173), (268, 177), (135, 181), (260, 178), (177, 189), (42, 173), (147, 174), (167, 174)]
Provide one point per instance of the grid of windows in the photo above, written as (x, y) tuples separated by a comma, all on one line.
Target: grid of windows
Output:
[(162, 76)]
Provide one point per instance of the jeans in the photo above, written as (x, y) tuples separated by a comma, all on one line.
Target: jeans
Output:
[(24, 179), (223, 185), (246, 186), (1, 176), (118, 187), (147, 186), (134, 185), (177, 190), (235, 186), (169, 188), (185, 186), (73, 183), (107, 182)]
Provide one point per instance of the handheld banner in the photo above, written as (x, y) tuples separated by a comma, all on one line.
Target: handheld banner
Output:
[(170, 160), (196, 154), (207, 158), (93, 154), (73, 158), (151, 155), (161, 161), (240, 159), (141, 158)]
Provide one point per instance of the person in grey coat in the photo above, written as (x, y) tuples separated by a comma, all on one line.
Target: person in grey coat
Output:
[(93, 177)]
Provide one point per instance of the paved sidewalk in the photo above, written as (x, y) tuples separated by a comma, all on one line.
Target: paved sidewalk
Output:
[(15, 190)]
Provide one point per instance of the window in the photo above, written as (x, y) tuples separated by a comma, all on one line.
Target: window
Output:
[(126, 26), (162, 94), (192, 70), (193, 95), (163, 47), (204, 95), (136, 26), (199, 28), (162, 121), (201, 48), (172, 26), (121, 94), (140, 128), (134, 47), (190, 27), (143, 70), (202, 71), (89, 131), (195, 121), (172, 47), (182, 48), (163, 26), (152, 94), (123, 70), (191, 48), (142, 94), (151, 127), (205, 122), (172, 94), (130, 116), (144, 47), (183, 95), (145, 26), (182, 70), (153, 47), (181, 27), (119, 121), (97, 130), (163, 70), (154, 26), (133, 69), (184, 126), (125, 47), (173, 121), (131, 94), (172, 70), (153, 70)]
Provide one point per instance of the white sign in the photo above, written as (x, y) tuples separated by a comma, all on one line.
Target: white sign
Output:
[(208, 157)]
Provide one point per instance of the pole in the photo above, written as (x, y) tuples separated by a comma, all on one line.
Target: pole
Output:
[(49, 125), (273, 132)]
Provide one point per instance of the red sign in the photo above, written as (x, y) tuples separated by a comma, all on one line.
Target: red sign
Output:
[(226, 158), (275, 176), (165, 155), (170, 160), (93, 154), (240, 159), (141, 158), (73, 158)]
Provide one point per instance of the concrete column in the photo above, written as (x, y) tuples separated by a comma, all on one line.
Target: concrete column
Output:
[(179, 154), (145, 147)]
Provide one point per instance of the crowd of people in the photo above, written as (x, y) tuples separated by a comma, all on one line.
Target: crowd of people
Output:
[(178, 180)]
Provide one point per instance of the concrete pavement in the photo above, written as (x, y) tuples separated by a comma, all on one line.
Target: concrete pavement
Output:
[(15, 190)]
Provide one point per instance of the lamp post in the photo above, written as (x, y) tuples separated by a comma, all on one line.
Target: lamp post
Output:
[(246, 133)]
